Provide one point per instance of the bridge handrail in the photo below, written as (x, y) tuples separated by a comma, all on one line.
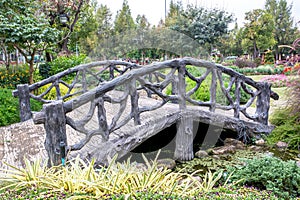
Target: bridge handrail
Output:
[(110, 66)]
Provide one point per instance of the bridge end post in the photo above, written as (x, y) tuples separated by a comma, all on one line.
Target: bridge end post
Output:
[(24, 102), (263, 103), (56, 138)]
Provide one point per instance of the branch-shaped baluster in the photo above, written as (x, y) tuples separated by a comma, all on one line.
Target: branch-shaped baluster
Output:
[(84, 141), (103, 126), (79, 125), (156, 89), (92, 75), (253, 96), (213, 91), (122, 101), (134, 102), (100, 73), (198, 82), (111, 72), (83, 81), (224, 90), (237, 94), (44, 93), (230, 85), (58, 93)]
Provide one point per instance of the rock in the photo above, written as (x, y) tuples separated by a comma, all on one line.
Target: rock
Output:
[(141, 167), (224, 150), (216, 157), (260, 142), (233, 142), (269, 154), (255, 148), (201, 154), (166, 163), (281, 145)]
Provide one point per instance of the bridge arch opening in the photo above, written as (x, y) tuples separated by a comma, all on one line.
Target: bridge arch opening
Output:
[(205, 136)]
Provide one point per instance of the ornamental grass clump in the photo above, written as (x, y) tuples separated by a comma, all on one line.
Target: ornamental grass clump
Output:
[(81, 180)]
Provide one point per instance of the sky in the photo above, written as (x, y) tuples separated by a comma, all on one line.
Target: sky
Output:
[(154, 10)]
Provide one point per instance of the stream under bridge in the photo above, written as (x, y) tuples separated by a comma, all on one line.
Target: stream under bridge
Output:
[(114, 106)]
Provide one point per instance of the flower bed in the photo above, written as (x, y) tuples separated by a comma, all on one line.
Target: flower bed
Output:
[(278, 80)]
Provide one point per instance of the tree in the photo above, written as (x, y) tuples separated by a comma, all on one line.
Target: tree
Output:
[(25, 29), (98, 40), (203, 25), (123, 26), (6, 49), (231, 44), (84, 36), (284, 31), (124, 21), (142, 22), (258, 32), (69, 10)]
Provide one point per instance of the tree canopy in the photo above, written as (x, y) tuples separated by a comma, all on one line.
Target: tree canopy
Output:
[(22, 27)]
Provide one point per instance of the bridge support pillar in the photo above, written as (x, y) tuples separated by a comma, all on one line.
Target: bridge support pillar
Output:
[(184, 139)]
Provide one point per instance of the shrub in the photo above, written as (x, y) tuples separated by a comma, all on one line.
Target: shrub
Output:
[(242, 63), (9, 107), (51, 95), (44, 70), (287, 129), (269, 57), (203, 92), (10, 79), (281, 177), (257, 61), (261, 70), (62, 63)]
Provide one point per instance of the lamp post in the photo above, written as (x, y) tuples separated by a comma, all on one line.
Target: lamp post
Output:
[(165, 10), (63, 19)]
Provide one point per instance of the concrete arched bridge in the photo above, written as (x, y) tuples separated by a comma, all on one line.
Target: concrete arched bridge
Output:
[(114, 106)]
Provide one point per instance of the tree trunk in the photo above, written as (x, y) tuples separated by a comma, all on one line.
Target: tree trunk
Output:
[(64, 50), (31, 70), (255, 50), (48, 57), (6, 57)]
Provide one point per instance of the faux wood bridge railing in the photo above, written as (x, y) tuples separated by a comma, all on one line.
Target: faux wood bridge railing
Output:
[(90, 87)]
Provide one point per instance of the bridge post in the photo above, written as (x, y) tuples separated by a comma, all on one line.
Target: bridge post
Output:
[(184, 136), (24, 102), (263, 103), (56, 138)]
